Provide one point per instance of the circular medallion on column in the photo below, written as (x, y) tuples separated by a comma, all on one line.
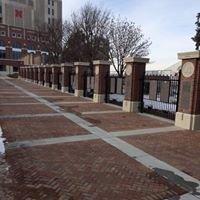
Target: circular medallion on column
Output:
[(128, 70), (188, 69), (97, 70), (76, 70)]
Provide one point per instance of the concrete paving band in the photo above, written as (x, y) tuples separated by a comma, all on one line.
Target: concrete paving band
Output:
[(171, 173)]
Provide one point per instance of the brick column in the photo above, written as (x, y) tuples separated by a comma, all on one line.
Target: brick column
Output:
[(135, 69), (55, 74), (41, 75), (35, 74), (47, 69), (65, 69), (101, 69), (81, 68), (188, 115)]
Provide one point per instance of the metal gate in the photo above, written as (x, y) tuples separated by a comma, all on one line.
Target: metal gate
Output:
[(160, 95), (115, 89), (71, 81), (50, 78), (88, 78)]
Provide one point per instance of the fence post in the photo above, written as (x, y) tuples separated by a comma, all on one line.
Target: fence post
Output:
[(101, 69), (65, 69), (188, 115), (55, 73), (81, 68), (135, 69), (47, 69)]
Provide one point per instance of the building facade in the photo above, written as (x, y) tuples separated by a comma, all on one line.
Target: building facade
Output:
[(30, 14), (19, 35)]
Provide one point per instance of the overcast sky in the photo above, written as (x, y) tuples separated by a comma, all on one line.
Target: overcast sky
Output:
[(168, 23)]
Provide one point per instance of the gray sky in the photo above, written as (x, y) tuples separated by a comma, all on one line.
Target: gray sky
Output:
[(168, 23)]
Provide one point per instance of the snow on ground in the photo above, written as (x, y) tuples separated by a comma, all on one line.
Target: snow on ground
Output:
[(158, 105), (2, 147)]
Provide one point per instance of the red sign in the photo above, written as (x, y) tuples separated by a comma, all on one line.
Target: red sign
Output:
[(18, 13)]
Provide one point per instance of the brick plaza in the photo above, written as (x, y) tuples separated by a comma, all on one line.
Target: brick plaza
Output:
[(59, 146)]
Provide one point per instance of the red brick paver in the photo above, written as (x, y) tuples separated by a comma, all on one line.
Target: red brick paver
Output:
[(124, 121), (24, 109), (38, 128), (82, 170), (180, 149), (18, 100), (66, 99)]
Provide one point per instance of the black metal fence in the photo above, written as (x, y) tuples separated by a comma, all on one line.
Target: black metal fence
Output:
[(160, 95), (50, 78), (115, 89), (89, 79)]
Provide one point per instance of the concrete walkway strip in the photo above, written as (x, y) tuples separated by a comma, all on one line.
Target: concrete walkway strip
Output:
[(30, 116), (19, 104), (145, 131), (102, 112), (172, 174), (73, 102), (50, 141), (53, 96), (188, 196)]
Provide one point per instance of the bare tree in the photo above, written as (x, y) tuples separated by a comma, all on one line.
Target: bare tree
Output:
[(56, 37), (125, 40), (92, 22), (196, 38)]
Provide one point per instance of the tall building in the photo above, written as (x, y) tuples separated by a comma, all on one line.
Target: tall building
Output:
[(30, 13), (19, 22)]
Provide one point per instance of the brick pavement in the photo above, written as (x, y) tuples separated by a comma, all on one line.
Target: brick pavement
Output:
[(36, 128), (77, 170), (82, 170), (24, 109), (180, 149), (124, 121)]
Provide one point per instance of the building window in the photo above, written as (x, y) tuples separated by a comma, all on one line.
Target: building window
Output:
[(52, 3), (31, 47), (16, 45), (34, 38), (14, 35), (19, 35), (16, 55), (2, 68), (28, 37), (52, 11), (49, 21), (2, 44), (49, 11), (49, 2), (0, 9), (2, 54), (2, 33)]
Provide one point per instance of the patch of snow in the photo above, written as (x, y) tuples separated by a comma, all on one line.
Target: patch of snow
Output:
[(117, 97), (2, 140), (159, 105)]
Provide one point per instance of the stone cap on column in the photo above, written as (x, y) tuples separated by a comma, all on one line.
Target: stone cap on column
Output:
[(82, 64), (188, 55), (67, 64), (55, 65), (136, 60), (101, 62)]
